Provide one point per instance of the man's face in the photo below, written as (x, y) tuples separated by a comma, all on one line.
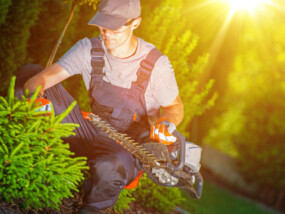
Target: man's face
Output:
[(115, 38)]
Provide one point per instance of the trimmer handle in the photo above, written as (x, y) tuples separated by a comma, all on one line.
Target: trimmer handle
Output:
[(181, 140), (197, 192)]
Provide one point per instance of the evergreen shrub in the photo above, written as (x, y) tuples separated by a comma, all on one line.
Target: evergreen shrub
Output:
[(36, 167)]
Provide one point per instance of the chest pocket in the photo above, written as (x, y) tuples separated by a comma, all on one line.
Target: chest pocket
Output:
[(121, 118)]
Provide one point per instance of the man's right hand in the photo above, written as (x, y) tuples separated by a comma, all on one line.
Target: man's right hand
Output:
[(162, 132)]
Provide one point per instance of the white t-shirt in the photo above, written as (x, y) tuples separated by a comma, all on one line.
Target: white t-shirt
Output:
[(162, 88)]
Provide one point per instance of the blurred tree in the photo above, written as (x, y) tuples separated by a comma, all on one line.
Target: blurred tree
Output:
[(218, 35), (46, 31), (4, 8), (16, 19), (252, 125), (168, 30)]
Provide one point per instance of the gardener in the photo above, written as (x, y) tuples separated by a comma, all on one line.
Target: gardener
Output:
[(129, 82)]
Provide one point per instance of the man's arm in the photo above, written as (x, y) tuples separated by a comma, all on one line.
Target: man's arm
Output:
[(47, 78), (170, 117), (173, 112)]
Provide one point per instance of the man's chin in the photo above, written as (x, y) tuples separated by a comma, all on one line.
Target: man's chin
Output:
[(109, 44)]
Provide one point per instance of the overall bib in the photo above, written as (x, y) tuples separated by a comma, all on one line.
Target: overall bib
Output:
[(123, 108)]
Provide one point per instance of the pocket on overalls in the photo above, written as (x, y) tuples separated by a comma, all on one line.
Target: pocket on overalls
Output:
[(100, 109), (121, 119)]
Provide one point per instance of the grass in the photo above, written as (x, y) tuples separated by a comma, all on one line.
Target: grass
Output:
[(215, 200)]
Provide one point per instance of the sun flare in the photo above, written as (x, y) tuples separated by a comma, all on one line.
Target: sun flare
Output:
[(248, 5)]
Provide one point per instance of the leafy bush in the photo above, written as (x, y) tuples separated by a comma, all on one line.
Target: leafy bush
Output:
[(163, 199), (124, 199), (36, 168)]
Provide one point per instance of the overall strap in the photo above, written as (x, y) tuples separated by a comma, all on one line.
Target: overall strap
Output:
[(144, 71), (97, 58)]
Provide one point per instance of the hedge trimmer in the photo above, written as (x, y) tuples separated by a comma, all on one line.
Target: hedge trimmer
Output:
[(171, 166)]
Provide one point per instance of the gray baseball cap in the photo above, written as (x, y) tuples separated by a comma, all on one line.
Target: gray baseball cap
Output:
[(112, 14)]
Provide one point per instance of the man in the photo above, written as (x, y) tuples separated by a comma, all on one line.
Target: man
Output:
[(131, 85)]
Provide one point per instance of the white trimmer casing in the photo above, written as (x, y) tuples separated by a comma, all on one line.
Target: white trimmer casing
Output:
[(193, 156)]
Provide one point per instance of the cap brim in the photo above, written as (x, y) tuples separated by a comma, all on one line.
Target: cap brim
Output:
[(107, 21)]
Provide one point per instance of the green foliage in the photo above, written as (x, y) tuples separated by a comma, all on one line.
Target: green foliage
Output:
[(4, 6), (92, 3), (178, 43), (14, 33), (163, 199), (52, 16), (218, 200), (124, 199), (20, 43), (36, 168), (252, 125)]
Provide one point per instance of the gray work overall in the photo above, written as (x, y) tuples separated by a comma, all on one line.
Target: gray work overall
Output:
[(111, 166)]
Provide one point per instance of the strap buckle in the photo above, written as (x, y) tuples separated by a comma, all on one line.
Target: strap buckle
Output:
[(97, 63), (146, 65), (97, 52)]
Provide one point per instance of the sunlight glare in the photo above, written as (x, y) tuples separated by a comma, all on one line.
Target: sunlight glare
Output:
[(248, 5)]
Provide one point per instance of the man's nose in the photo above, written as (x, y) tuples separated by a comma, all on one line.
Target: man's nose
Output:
[(106, 32)]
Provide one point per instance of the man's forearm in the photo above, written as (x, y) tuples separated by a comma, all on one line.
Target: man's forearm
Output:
[(174, 113), (33, 83), (47, 78), (171, 115)]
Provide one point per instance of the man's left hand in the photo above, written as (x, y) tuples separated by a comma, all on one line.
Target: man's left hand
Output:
[(162, 132), (43, 105)]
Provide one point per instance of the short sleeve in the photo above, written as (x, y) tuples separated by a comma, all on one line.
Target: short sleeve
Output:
[(163, 82), (75, 60)]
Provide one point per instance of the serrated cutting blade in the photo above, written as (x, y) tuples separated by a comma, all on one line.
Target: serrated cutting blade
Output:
[(123, 139)]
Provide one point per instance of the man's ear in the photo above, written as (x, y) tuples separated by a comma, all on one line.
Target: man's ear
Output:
[(136, 23)]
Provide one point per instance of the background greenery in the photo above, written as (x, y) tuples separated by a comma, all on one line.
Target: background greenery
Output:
[(218, 200), (235, 61)]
